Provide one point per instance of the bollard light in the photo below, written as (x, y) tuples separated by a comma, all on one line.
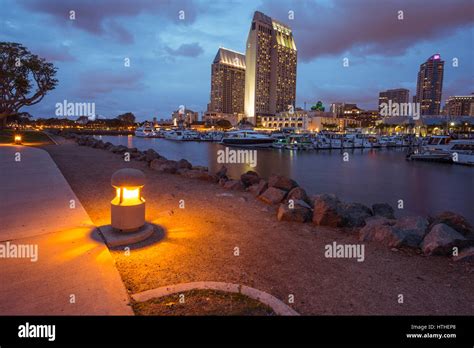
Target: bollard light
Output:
[(128, 206), (17, 139)]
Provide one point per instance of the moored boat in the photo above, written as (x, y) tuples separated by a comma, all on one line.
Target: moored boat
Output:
[(247, 138)]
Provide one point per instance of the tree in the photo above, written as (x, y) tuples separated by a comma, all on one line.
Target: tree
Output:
[(25, 78), (318, 107), (127, 118), (223, 124)]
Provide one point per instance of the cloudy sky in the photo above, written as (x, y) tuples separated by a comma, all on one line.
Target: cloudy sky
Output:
[(170, 58)]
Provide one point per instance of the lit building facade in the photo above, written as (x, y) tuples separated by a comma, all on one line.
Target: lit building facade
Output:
[(399, 95), (227, 82), (270, 76), (429, 86), (460, 105)]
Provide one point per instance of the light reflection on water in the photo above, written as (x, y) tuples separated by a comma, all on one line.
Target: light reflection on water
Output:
[(370, 175)]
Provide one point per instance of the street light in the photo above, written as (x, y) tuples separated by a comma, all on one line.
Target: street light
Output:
[(17, 139), (128, 206)]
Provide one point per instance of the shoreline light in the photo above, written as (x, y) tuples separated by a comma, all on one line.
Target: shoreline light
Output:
[(128, 206)]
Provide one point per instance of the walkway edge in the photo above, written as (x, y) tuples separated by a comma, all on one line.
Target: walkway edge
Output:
[(278, 306)]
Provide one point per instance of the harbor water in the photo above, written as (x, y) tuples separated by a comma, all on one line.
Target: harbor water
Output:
[(368, 176)]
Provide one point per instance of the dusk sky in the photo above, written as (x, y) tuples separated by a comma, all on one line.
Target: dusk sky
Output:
[(170, 59)]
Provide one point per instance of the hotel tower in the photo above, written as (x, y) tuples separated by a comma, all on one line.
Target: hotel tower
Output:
[(227, 82), (430, 85), (270, 75)]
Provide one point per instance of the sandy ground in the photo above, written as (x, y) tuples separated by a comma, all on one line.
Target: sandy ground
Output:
[(281, 258)]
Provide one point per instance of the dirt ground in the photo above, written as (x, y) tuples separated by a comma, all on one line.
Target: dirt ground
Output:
[(237, 239), (203, 302)]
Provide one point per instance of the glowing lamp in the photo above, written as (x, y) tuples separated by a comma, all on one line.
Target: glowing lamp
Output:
[(128, 206), (17, 139)]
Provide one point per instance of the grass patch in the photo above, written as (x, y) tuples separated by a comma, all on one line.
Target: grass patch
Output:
[(203, 302), (28, 137)]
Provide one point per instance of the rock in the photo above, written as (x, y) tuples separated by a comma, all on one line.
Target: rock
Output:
[(258, 189), (81, 141), (281, 182), (195, 174), (182, 163), (298, 193), (354, 214), (453, 220), (97, 144), (120, 149), (108, 145), (412, 229), (222, 173), (297, 214), (382, 230), (151, 154), (243, 199), (233, 185), (302, 203), (163, 165), (408, 231), (249, 178), (201, 168), (383, 209), (272, 195), (222, 181), (466, 255), (327, 211), (441, 239), (136, 154)]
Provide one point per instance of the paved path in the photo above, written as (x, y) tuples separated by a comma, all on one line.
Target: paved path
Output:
[(74, 273)]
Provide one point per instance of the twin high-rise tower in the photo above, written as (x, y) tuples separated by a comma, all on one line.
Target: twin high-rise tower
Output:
[(429, 85), (270, 71)]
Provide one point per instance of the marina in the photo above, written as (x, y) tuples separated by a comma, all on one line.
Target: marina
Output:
[(370, 174)]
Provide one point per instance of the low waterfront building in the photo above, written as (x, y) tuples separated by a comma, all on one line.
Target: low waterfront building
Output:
[(335, 124), (185, 116), (297, 120), (212, 117), (425, 125), (460, 105)]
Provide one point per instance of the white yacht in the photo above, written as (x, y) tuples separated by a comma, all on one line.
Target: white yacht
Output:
[(145, 131), (443, 148), (247, 138), (181, 135), (328, 141)]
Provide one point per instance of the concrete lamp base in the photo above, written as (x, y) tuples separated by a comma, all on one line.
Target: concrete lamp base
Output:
[(115, 238)]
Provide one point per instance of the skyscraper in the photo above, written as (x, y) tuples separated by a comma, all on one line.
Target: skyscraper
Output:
[(227, 82), (430, 85), (270, 76), (399, 95)]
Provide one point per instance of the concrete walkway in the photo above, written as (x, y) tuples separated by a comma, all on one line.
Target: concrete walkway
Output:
[(75, 273)]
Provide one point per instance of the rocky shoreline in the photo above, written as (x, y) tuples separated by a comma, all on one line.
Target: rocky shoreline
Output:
[(446, 234)]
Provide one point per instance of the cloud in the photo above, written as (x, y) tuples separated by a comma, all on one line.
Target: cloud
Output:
[(97, 83), (96, 17), (186, 50), (368, 26), (55, 54)]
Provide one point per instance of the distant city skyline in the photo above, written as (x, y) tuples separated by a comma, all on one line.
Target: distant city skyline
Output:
[(170, 56)]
